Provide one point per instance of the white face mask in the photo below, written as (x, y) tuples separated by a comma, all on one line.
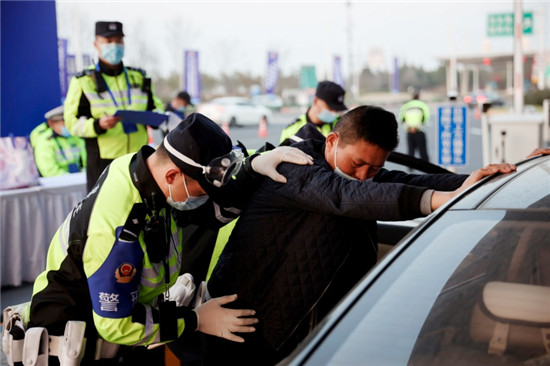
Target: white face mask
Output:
[(336, 169), (190, 203)]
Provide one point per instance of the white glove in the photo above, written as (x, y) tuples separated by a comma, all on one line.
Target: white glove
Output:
[(266, 164), (183, 290), (214, 319)]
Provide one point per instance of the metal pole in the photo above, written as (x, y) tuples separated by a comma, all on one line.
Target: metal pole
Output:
[(350, 53), (518, 57), (485, 138)]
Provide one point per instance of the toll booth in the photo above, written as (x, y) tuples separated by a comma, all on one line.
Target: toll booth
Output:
[(513, 136)]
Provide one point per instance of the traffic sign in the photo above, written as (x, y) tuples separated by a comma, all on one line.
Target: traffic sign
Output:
[(503, 24), (452, 133)]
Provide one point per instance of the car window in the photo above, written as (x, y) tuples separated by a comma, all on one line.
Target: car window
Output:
[(521, 193), (446, 298)]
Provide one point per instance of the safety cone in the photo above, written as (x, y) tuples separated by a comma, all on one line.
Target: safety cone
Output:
[(262, 128), (150, 136), (225, 127)]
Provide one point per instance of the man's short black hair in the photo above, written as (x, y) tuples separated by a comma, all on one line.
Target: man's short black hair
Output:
[(372, 124)]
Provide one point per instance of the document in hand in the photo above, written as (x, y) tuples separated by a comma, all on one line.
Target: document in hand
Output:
[(148, 118)]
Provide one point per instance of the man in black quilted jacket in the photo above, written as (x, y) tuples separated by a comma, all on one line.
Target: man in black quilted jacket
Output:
[(299, 247)]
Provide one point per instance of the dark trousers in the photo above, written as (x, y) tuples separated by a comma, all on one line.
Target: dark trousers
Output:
[(417, 141), (253, 352), (94, 164)]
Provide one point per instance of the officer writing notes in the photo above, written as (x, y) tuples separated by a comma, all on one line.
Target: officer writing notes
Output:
[(95, 95)]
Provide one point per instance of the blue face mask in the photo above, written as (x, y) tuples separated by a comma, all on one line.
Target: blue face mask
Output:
[(191, 203), (112, 52), (181, 109), (65, 132), (327, 116)]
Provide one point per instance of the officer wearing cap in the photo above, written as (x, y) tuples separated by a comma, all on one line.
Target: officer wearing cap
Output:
[(178, 106), (56, 151), (95, 95), (113, 260), (321, 116)]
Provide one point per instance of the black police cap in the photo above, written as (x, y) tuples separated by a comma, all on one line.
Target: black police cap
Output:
[(183, 95), (107, 29), (201, 140), (333, 94)]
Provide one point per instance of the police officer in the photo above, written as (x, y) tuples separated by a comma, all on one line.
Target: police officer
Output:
[(56, 151), (414, 115), (321, 116), (113, 260), (95, 95), (178, 106)]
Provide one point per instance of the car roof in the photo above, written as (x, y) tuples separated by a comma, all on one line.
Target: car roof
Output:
[(516, 190)]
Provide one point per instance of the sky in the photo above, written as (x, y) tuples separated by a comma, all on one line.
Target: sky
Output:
[(236, 35)]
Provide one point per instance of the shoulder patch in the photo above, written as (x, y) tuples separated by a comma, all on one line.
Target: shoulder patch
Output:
[(87, 72), (143, 72), (293, 122)]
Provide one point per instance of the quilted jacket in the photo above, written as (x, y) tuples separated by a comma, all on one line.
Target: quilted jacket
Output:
[(293, 239)]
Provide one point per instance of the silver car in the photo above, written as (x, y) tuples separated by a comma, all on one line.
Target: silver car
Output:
[(469, 286)]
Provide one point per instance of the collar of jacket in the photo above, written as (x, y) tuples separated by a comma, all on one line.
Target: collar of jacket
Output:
[(110, 71), (143, 179)]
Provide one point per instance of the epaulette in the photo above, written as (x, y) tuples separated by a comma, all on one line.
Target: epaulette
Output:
[(143, 72), (293, 122), (87, 72)]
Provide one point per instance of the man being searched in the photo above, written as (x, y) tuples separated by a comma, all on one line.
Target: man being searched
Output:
[(299, 247), (320, 117), (95, 95), (56, 151), (414, 115), (112, 263)]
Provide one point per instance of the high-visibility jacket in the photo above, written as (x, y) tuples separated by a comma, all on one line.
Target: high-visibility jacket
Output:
[(414, 114), (98, 268), (57, 155), (37, 132), (94, 93), (292, 128)]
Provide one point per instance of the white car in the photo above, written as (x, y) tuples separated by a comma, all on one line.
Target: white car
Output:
[(271, 101), (236, 111)]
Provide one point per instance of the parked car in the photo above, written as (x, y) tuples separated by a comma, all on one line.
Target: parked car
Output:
[(236, 111), (469, 286), (481, 97), (271, 101)]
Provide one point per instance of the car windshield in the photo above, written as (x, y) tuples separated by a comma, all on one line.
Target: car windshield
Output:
[(474, 289)]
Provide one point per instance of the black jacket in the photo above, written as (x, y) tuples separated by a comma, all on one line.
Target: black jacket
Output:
[(293, 238)]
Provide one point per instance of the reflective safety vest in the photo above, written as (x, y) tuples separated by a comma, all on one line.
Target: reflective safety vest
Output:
[(414, 114), (291, 129), (57, 155), (118, 140), (98, 268)]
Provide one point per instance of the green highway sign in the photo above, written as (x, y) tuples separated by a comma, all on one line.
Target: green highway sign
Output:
[(503, 24)]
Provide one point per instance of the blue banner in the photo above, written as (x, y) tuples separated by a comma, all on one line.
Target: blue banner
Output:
[(272, 72), (63, 72), (395, 79), (192, 75), (337, 76), (452, 132)]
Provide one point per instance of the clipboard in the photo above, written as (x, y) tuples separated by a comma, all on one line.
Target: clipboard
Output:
[(130, 119)]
